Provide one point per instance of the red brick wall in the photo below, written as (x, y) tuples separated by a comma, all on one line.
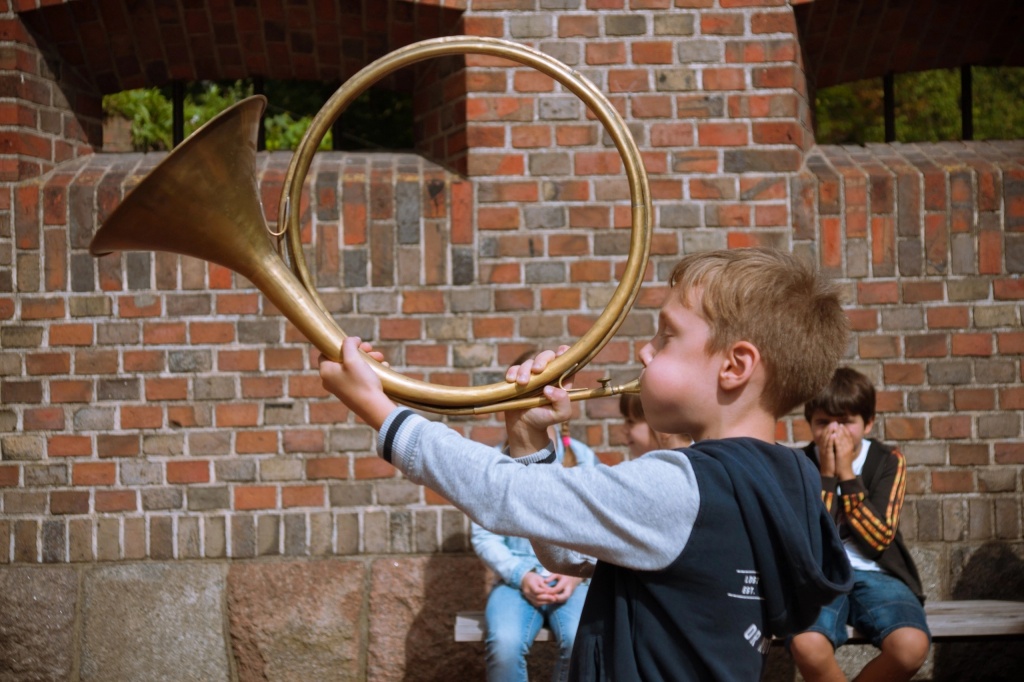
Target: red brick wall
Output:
[(127, 380), (927, 239), (156, 407), (47, 114), (158, 383)]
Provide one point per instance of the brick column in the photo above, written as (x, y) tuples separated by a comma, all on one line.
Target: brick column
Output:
[(48, 117)]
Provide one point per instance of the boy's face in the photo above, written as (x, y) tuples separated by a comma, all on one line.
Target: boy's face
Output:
[(680, 379), (822, 423)]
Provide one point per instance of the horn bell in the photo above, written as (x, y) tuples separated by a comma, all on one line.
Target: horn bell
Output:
[(202, 201)]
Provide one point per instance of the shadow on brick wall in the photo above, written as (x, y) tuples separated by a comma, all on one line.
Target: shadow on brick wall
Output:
[(993, 572)]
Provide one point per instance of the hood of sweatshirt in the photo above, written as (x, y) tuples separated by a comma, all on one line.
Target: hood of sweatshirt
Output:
[(800, 558)]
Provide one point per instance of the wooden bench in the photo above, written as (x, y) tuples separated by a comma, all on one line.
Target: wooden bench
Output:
[(952, 621), (949, 621)]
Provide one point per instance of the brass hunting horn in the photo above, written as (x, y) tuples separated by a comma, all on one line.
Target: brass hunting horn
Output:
[(203, 201)]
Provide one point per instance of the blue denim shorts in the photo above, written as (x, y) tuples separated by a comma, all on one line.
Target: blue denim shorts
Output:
[(877, 605)]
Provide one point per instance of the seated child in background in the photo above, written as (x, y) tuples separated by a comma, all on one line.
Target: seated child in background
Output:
[(862, 485), (704, 554), (527, 595), (640, 437)]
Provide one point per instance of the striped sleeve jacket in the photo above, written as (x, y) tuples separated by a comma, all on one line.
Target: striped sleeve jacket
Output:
[(868, 509)]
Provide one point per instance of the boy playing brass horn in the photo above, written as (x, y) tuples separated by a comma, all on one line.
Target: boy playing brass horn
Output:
[(702, 554)]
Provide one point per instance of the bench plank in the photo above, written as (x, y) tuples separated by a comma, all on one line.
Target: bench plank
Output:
[(975, 618), (470, 627), (948, 621)]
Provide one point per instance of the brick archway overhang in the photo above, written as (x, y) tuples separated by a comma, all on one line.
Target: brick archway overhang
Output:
[(848, 41), (90, 48), (114, 46)]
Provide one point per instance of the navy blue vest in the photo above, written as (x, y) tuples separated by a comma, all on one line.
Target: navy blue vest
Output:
[(701, 618)]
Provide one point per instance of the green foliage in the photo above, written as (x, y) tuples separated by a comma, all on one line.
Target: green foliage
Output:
[(378, 119), (291, 106), (850, 113), (206, 99), (927, 107), (998, 104), (285, 132), (150, 114)]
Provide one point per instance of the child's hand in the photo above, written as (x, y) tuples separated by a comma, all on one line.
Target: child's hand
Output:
[(844, 454), (521, 374), (355, 383), (827, 451), (527, 429), (536, 590), (835, 448), (563, 586)]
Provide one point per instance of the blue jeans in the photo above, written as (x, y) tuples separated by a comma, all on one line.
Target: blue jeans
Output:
[(513, 622), (878, 604)]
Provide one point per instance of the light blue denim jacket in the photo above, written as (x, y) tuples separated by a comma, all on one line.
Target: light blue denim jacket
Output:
[(513, 557)]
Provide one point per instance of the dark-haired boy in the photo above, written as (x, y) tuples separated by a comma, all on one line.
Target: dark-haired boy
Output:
[(862, 484), (704, 553)]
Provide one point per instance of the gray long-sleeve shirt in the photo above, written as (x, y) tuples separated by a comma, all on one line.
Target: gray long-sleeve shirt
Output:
[(638, 514)]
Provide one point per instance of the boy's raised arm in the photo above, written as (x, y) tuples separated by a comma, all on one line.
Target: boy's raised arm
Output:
[(355, 384), (358, 386), (638, 514)]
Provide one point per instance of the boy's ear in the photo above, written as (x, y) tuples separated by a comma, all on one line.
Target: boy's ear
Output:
[(740, 361)]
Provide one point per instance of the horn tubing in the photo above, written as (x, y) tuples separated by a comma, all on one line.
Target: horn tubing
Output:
[(215, 167), (574, 395), (492, 397)]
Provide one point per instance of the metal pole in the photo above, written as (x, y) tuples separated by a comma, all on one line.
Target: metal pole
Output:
[(177, 113), (966, 103), (259, 88), (889, 106)]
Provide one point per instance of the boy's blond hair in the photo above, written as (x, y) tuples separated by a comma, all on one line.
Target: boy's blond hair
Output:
[(785, 308)]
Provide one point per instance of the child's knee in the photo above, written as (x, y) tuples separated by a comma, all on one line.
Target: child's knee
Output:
[(506, 646), (506, 640), (811, 648), (908, 646)]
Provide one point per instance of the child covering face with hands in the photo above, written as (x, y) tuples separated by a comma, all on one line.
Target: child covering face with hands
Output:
[(862, 485)]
